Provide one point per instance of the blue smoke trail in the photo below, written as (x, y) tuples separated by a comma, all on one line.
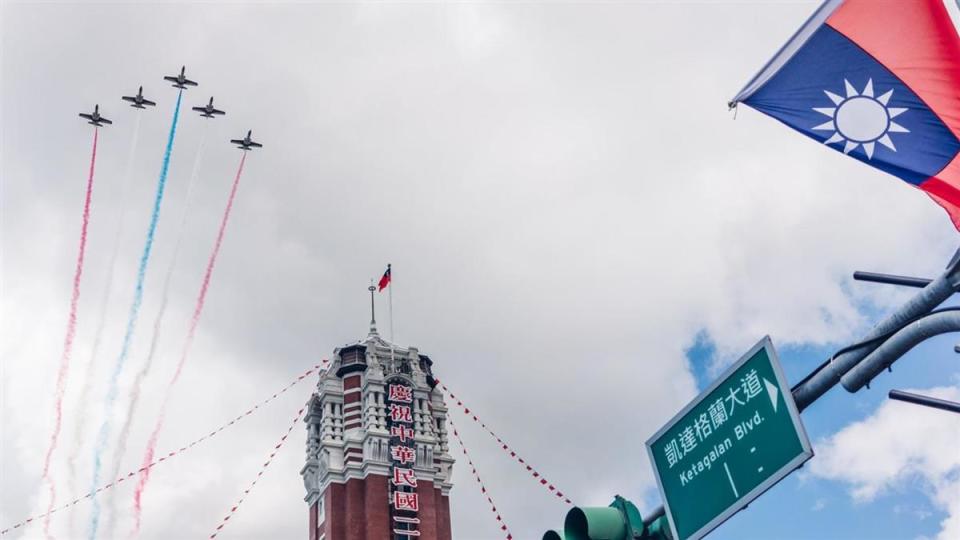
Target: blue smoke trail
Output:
[(104, 433)]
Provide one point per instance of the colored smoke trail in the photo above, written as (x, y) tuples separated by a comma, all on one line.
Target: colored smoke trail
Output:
[(104, 432), (191, 332), (84, 397), (68, 339), (123, 437)]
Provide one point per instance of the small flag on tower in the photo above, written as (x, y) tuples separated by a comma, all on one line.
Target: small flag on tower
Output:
[(877, 80), (385, 280)]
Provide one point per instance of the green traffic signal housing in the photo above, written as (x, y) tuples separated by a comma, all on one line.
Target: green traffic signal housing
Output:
[(619, 521)]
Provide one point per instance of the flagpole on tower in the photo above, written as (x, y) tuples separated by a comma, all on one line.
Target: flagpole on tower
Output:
[(373, 312), (390, 299)]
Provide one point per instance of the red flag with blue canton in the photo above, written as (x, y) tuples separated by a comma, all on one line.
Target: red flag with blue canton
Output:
[(878, 80), (384, 280)]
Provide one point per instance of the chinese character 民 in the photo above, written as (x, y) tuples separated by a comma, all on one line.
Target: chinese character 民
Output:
[(406, 501), (402, 393), (702, 427), (403, 454), (718, 413), (400, 413), (673, 453), (733, 400), (404, 477), (688, 440), (751, 384), (405, 433)]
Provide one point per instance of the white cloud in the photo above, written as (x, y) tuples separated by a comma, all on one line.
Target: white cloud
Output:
[(899, 444)]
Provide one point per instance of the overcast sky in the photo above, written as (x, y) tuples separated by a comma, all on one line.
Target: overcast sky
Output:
[(581, 235)]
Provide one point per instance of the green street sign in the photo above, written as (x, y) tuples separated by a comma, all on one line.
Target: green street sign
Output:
[(729, 445)]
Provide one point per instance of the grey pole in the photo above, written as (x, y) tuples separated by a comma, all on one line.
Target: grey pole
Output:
[(926, 401), (941, 288), (891, 279), (899, 344), (373, 312)]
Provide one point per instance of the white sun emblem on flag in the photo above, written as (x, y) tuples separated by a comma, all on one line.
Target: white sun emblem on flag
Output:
[(861, 119)]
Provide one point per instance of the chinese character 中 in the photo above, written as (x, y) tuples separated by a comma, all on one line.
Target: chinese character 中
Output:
[(405, 433)]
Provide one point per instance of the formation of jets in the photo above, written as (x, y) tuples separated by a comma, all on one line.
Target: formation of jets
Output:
[(182, 82)]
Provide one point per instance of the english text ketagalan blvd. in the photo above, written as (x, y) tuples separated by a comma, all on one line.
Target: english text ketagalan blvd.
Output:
[(705, 463)]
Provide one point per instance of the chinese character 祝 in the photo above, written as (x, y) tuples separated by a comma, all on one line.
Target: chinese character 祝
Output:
[(400, 413)]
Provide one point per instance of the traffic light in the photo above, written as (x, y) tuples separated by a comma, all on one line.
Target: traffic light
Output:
[(619, 521)]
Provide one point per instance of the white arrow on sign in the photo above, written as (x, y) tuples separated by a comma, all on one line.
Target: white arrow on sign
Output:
[(773, 392)]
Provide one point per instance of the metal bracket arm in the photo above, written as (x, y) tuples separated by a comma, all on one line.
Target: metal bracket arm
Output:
[(899, 344)]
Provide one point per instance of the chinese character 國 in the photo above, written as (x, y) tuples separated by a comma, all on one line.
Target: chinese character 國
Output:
[(406, 501)]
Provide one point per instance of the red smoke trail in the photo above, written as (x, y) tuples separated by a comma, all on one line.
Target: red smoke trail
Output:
[(68, 340), (191, 332)]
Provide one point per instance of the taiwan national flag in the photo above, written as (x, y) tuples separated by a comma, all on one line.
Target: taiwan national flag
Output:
[(385, 280), (878, 80)]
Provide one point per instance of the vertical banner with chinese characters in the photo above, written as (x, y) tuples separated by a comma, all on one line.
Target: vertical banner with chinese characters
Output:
[(404, 501)]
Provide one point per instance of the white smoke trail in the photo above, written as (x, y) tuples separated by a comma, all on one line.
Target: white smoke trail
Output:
[(134, 400)]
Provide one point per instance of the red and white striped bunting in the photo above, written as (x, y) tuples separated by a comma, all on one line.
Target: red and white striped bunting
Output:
[(169, 455), (263, 469), (476, 476), (506, 448)]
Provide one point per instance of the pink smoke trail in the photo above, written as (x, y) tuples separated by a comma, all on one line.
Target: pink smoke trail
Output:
[(191, 332), (68, 340), (83, 399)]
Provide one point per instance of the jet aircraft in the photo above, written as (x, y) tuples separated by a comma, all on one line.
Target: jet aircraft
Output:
[(94, 118), (246, 143), (208, 110), (138, 101), (180, 81)]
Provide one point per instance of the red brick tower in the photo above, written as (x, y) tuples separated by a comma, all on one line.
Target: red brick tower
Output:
[(378, 462)]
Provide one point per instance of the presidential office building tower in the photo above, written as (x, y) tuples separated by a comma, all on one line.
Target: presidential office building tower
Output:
[(378, 461)]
